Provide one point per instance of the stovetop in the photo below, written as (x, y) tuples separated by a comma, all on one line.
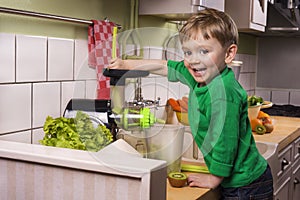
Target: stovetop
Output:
[(283, 110)]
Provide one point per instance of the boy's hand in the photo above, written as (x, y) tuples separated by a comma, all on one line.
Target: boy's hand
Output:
[(117, 63)]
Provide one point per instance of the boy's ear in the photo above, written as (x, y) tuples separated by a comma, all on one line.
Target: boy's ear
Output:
[(230, 53)]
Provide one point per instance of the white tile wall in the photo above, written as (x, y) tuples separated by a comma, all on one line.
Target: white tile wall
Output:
[(81, 69), (295, 98), (37, 134), (24, 137), (156, 52), (7, 57), (31, 59), (264, 93), (280, 97), (15, 106), (46, 101), (90, 89), (60, 59), (71, 90), (27, 96)]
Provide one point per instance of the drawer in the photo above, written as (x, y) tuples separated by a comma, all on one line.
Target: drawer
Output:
[(296, 149), (285, 159)]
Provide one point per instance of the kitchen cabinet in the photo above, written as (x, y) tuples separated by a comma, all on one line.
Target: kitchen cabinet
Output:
[(177, 9), (249, 15), (295, 185), (287, 172)]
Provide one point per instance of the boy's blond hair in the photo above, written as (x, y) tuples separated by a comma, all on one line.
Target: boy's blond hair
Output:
[(210, 23)]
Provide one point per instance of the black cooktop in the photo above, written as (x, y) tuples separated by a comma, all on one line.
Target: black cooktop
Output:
[(283, 110)]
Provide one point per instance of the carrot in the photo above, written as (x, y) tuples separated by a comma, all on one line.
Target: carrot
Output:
[(174, 104), (183, 105)]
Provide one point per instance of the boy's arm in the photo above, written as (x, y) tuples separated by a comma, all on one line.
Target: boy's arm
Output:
[(204, 180), (153, 66)]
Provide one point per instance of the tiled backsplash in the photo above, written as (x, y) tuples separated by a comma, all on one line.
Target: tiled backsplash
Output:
[(39, 75)]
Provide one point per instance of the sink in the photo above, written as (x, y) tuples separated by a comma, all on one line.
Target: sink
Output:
[(266, 149)]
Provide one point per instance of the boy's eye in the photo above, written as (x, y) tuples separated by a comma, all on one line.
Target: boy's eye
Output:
[(187, 53), (203, 51)]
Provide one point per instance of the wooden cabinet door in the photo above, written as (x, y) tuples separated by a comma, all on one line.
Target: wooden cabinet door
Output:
[(296, 182), (283, 191)]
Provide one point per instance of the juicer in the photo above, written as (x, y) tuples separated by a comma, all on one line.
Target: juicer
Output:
[(135, 114)]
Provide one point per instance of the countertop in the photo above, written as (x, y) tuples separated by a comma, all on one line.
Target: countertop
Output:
[(286, 129), (118, 158)]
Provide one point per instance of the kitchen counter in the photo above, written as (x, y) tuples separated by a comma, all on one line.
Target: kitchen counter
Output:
[(33, 171), (286, 129)]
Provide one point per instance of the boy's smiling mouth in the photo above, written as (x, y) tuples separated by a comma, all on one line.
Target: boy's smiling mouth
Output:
[(199, 71)]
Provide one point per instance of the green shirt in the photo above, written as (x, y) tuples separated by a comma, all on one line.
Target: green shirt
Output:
[(218, 117)]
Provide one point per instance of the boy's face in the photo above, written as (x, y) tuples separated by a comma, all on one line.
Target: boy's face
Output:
[(205, 59)]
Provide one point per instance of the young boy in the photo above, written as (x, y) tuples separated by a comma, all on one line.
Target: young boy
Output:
[(218, 109)]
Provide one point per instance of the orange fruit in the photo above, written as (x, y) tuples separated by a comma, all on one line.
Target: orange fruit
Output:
[(254, 123)]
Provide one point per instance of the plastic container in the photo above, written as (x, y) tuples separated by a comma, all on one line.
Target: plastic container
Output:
[(161, 141), (253, 111)]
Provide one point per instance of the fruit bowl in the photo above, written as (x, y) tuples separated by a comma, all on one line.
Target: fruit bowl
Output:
[(182, 117)]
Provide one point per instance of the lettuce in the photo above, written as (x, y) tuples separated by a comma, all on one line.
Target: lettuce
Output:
[(75, 133)]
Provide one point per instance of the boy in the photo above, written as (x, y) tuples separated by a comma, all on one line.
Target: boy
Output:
[(218, 108)]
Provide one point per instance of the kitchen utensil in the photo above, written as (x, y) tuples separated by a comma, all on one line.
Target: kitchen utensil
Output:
[(162, 142)]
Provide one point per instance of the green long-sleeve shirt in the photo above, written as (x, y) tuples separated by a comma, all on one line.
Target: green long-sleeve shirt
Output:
[(218, 117)]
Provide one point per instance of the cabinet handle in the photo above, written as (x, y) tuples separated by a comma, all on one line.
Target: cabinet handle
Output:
[(284, 163), (296, 181)]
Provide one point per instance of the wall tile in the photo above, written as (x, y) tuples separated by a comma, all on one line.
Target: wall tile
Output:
[(91, 89), (252, 63), (161, 90), (184, 90), (174, 90), (246, 62), (245, 80), (37, 134), (295, 98), (15, 106), (24, 137), (7, 57), (280, 97), (252, 81), (46, 101), (146, 52), (264, 93), (31, 58), (60, 59), (70, 90), (81, 69), (156, 52)]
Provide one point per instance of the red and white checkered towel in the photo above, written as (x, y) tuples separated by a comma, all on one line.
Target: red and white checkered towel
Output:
[(100, 53)]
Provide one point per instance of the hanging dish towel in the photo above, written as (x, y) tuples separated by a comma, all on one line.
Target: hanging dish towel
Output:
[(100, 53)]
